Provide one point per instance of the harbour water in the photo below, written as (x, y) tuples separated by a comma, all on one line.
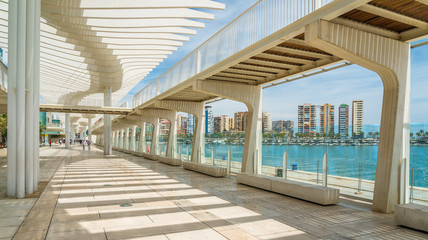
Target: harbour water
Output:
[(342, 160)]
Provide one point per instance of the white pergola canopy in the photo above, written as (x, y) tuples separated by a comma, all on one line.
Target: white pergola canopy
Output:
[(88, 45)]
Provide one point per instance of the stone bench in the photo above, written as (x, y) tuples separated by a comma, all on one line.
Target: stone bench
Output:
[(145, 155), (305, 191), (169, 161), (412, 215), (206, 169)]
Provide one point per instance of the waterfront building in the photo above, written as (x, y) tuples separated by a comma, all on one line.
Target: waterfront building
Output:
[(183, 123), (266, 122), (164, 127), (241, 121), (190, 124), (344, 120), (209, 120), (327, 118), (281, 125), (357, 116), (307, 121), (221, 123), (231, 124)]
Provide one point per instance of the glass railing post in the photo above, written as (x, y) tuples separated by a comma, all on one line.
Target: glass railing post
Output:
[(229, 158), (284, 165), (324, 170), (411, 185)]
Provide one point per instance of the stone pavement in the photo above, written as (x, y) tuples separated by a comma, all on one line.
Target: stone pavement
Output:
[(128, 197)]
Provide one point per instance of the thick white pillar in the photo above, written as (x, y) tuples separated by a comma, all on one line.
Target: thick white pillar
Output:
[(126, 142), (171, 150), (391, 60), (113, 138), (132, 140), (23, 104), (141, 144), (252, 97), (67, 130), (90, 129), (155, 138), (107, 122)]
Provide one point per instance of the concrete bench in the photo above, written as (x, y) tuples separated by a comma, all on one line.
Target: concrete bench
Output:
[(145, 155), (305, 191), (412, 215), (206, 169), (169, 161)]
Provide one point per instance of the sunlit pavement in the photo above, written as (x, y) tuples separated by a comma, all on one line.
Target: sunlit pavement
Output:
[(128, 197)]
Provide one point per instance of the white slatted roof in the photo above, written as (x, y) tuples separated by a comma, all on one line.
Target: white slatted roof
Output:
[(87, 45)]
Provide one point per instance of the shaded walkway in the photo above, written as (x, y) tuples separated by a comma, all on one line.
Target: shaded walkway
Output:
[(127, 197)]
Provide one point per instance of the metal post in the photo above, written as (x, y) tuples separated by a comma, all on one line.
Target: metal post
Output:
[(229, 159), (411, 185), (179, 152), (255, 162), (212, 157), (318, 171), (359, 176), (284, 165), (187, 154), (324, 170)]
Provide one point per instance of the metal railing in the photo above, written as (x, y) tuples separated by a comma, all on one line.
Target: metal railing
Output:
[(261, 20)]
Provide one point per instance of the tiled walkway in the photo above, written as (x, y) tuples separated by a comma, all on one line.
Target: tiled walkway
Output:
[(127, 197)]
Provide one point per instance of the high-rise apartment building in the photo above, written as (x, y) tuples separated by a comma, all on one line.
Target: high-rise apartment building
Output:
[(183, 123), (209, 120), (221, 124), (266, 122), (344, 120), (241, 121), (231, 124), (281, 125), (357, 116), (190, 124), (307, 119), (327, 118)]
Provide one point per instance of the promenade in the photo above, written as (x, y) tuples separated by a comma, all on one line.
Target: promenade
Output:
[(91, 196)]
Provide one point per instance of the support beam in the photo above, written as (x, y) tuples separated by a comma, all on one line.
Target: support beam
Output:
[(154, 147), (141, 144), (90, 129), (392, 63), (107, 121), (251, 96), (197, 110), (67, 130), (23, 97)]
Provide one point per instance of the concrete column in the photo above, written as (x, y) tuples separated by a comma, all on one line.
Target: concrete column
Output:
[(90, 129), (132, 143), (391, 60), (67, 130), (141, 144), (197, 109), (126, 142), (171, 150), (23, 97), (113, 138), (251, 96), (155, 138), (107, 122)]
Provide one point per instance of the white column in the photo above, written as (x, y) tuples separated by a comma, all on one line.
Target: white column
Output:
[(142, 144), (389, 58), (171, 150), (23, 90), (132, 143), (155, 138), (107, 121), (198, 144), (67, 130), (90, 129), (126, 142), (113, 138)]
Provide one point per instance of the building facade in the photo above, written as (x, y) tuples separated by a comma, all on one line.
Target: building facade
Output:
[(209, 120), (240, 120), (266, 122), (281, 125), (222, 124), (307, 119), (357, 116), (327, 118), (344, 120), (190, 124)]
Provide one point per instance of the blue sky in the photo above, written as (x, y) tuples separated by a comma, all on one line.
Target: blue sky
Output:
[(334, 87)]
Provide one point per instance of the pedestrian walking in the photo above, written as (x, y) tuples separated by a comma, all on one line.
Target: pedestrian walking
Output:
[(50, 143), (83, 145), (89, 145)]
